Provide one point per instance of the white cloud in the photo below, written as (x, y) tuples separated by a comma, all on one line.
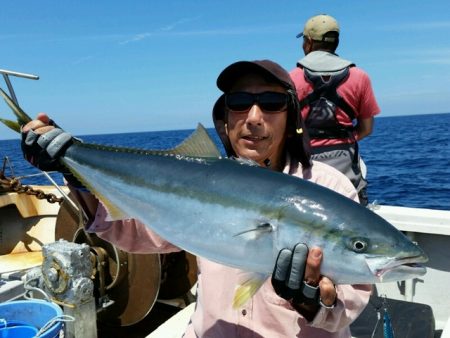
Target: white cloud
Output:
[(165, 29), (82, 59), (137, 37), (179, 22), (435, 56), (415, 26), (169, 30)]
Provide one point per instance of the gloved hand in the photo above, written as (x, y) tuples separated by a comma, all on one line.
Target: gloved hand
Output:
[(43, 143), (296, 278), (288, 276), (43, 151)]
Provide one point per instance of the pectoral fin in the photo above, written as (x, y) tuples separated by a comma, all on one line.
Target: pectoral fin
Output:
[(256, 232), (251, 282)]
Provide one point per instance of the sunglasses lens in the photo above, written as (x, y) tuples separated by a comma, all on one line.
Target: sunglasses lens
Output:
[(272, 102), (239, 101), (267, 101)]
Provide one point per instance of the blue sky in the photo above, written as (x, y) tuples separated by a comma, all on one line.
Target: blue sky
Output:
[(121, 66)]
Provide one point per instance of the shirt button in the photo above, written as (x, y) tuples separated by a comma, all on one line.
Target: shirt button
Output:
[(244, 312)]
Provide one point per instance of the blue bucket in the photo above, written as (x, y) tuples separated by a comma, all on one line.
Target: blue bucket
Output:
[(18, 332), (21, 317)]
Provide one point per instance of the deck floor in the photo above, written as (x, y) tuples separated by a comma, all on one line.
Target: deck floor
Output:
[(158, 315)]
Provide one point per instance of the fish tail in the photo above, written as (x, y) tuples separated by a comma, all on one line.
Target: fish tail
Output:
[(11, 124), (22, 117)]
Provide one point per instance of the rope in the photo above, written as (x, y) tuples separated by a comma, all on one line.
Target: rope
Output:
[(29, 288), (47, 326), (53, 321)]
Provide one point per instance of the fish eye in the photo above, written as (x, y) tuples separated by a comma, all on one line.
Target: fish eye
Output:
[(359, 245)]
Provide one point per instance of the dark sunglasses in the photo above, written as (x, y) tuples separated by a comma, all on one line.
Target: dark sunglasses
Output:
[(271, 102)]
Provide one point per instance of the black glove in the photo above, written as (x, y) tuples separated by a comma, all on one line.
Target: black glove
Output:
[(44, 151), (288, 276)]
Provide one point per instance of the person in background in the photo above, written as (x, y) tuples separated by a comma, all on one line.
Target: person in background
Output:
[(257, 118), (337, 100)]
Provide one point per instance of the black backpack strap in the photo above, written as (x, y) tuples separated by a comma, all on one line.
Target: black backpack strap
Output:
[(328, 89)]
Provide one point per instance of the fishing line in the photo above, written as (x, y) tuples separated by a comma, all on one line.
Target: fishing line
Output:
[(388, 331)]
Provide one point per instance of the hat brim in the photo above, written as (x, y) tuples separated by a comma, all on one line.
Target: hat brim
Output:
[(229, 75)]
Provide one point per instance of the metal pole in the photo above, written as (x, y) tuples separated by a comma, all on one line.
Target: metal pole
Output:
[(24, 75), (10, 88), (6, 74)]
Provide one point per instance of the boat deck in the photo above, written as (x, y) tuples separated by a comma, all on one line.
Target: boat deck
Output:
[(159, 314)]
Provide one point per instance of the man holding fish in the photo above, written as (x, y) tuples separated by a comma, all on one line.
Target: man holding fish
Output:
[(258, 121)]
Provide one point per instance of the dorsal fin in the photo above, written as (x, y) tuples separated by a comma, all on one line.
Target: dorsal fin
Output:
[(198, 144)]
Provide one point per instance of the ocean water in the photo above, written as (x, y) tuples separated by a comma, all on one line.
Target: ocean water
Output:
[(408, 158)]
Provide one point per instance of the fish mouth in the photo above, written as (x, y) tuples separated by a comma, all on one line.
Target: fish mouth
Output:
[(395, 269)]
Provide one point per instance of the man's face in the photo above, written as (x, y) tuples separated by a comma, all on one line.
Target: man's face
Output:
[(256, 134)]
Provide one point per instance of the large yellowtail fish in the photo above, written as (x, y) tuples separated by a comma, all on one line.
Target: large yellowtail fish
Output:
[(239, 214)]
